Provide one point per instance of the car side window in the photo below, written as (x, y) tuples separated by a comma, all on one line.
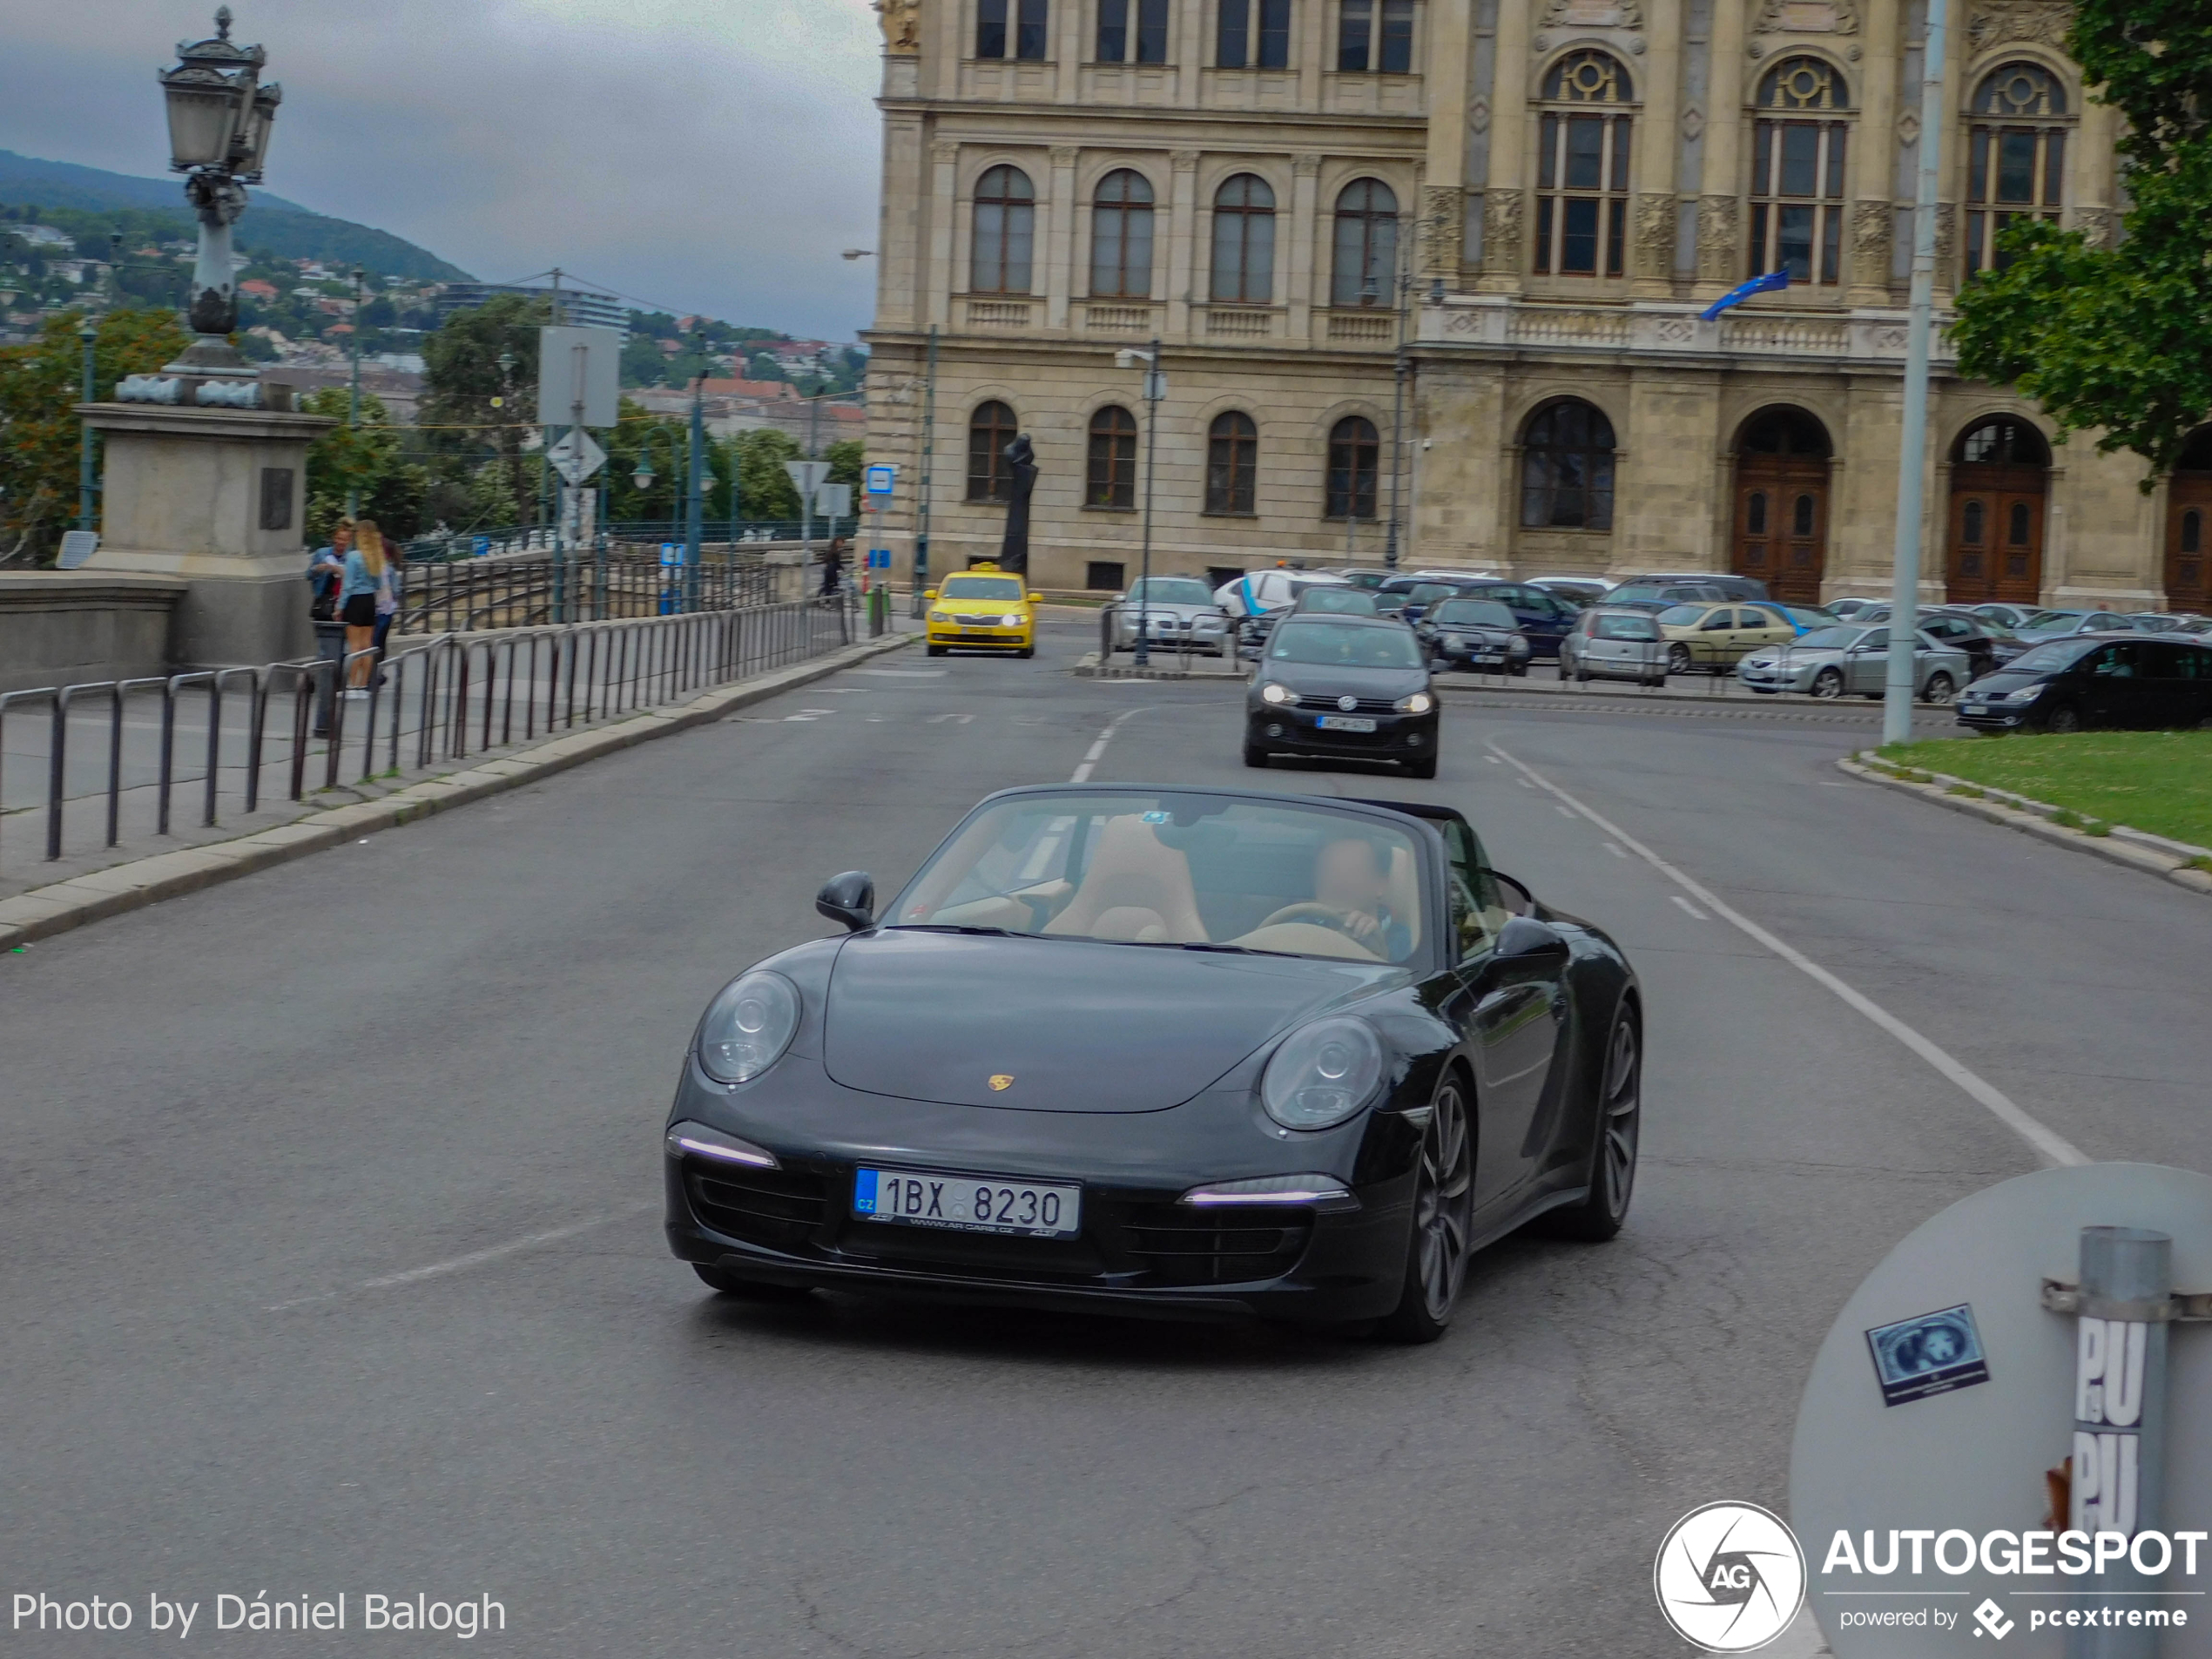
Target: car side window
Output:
[(1719, 621), (2113, 662), (1478, 911)]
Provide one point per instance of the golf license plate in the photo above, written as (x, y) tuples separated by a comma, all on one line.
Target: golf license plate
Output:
[(1345, 723), (974, 1204)]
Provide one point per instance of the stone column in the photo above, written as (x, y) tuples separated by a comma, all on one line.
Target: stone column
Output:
[(1060, 236), (1720, 198), (218, 498), (1439, 231), (1506, 191), (2091, 180), (1183, 234), (944, 214), (899, 263), (1873, 158), (1296, 252), (1656, 167)]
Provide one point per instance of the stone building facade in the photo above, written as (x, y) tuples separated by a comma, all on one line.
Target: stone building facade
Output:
[(1450, 255)]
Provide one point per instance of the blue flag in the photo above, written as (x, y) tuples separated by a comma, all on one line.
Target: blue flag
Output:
[(1773, 281)]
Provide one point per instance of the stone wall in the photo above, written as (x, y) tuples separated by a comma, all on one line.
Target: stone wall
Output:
[(67, 628)]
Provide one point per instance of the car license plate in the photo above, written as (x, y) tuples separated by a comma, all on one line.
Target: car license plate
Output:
[(974, 1204), (985, 632), (1489, 657), (1973, 708), (1345, 723)]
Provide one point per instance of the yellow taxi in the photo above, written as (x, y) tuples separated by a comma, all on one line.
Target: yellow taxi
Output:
[(982, 608)]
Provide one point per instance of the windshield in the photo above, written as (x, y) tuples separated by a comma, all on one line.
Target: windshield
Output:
[(1342, 645), (1171, 591), (2052, 619), (1153, 868), (1343, 601), (1428, 593), (1810, 616), (1831, 638), (1474, 613), (982, 587), (2059, 654), (1626, 628)]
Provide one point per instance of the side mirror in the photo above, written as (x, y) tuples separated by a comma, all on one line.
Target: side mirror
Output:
[(850, 899), (1525, 939), (929, 596)]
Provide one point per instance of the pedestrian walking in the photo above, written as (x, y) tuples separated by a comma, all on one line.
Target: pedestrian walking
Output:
[(833, 567), (326, 571), (364, 582), (388, 601)]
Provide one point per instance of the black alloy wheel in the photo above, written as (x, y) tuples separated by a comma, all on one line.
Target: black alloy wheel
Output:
[(1618, 1130), (1678, 659), (1828, 682), (1443, 1230)]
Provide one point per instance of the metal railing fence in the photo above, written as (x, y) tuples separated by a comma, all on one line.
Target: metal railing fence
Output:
[(597, 585), (454, 545), (134, 752)]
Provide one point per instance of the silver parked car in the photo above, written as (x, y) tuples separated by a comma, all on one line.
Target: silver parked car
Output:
[(1622, 645), (1179, 614), (1852, 659)]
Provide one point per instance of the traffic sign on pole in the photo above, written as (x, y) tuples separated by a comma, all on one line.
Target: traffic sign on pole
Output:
[(574, 455), (807, 477), (880, 477)]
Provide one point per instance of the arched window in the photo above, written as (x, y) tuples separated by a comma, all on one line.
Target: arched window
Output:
[(1110, 480), (1355, 454), (1243, 241), (2004, 442), (989, 430), (1582, 167), (2015, 157), (1121, 237), (1244, 41), (1006, 223), (1973, 526), (1801, 524), (1797, 172), (1366, 260), (1755, 513), (1232, 454), (1567, 468)]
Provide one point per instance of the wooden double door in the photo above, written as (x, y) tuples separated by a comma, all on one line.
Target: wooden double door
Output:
[(1999, 480), (1781, 523), (2188, 541)]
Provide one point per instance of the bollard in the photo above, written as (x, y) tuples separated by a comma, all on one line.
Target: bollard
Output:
[(2118, 1475), (330, 648)]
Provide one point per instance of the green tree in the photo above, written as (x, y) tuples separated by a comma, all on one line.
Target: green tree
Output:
[(846, 456), (2118, 338), (767, 487), (472, 404), (41, 384), (348, 459)]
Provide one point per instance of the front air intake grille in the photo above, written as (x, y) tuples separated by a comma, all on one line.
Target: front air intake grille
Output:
[(779, 1208), (1185, 1245), (1361, 705)]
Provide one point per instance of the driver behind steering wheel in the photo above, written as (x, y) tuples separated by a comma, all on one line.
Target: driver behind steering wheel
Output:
[(1351, 877)]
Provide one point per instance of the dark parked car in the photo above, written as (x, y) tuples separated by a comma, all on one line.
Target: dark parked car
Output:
[(1353, 688), (2066, 685), (1164, 1050), (1686, 587), (1481, 635), (1409, 597), (1544, 616)]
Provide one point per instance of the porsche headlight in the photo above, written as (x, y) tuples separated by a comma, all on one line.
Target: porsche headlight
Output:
[(1274, 692), (1419, 703), (1322, 1074), (748, 1026)]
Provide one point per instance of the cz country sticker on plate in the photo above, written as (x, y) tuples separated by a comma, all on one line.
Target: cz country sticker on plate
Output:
[(975, 1204)]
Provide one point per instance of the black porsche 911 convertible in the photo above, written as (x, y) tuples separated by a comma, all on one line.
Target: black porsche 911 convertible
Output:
[(1164, 1049)]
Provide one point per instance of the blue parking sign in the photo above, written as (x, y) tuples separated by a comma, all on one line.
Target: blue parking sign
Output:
[(880, 477), (879, 559)]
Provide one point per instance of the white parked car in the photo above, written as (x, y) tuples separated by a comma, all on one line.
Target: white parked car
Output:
[(1179, 614), (1260, 591)]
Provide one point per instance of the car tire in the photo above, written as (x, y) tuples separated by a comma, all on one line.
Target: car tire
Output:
[(746, 1289), (1026, 652), (936, 651), (2062, 720), (1939, 690), (1425, 767), (1254, 755), (1829, 683), (1618, 1132), (1678, 659), (1438, 1244)]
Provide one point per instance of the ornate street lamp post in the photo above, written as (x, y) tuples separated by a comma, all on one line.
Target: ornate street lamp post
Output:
[(219, 116)]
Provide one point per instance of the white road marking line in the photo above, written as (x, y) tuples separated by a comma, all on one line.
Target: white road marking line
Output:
[(2048, 1144), (1493, 760), (1563, 812), (1691, 910), (809, 714), (940, 719), (1615, 850), (1082, 774), (901, 673), (474, 1258)]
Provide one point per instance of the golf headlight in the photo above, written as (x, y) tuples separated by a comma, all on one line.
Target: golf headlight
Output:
[(1518, 646), (1012, 619), (1274, 692), (1419, 703), (748, 1026), (1322, 1074)]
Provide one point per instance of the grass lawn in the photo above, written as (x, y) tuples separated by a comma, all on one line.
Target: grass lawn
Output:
[(2160, 781)]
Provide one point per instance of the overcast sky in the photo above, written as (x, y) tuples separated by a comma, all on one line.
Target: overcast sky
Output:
[(713, 158)]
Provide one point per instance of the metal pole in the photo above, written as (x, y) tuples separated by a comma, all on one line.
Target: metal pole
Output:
[(1904, 591), (90, 334), (353, 399), (697, 509), (806, 507), (928, 448), (2119, 1462), (1154, 387), (1397, 424)]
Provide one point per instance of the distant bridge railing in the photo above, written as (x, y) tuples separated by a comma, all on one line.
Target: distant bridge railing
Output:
[(449, 545), (601, 584)]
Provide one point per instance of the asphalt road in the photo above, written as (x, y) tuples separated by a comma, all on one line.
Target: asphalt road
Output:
[(330, 1261)]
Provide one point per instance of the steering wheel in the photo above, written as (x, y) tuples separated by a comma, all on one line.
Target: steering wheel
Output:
[(1308, 910)]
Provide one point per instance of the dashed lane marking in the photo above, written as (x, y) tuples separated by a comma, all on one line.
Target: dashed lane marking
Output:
[(1082, 774), (1690, 909), (2048, 1144)]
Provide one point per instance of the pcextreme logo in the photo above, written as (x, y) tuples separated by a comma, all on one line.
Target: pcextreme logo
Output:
[(1729, 1577)]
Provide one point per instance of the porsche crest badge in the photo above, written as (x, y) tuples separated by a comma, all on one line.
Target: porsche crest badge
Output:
[(1002, 1080)]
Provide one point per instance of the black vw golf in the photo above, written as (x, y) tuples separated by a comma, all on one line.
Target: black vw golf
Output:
[(1184, 1051), (1350, 687)]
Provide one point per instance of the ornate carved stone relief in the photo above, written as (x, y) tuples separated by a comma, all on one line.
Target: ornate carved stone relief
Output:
[(1593, 14), (1501, 233), (902, 26), (1870, 245), (1442, 230), (944, 151), (1307, 165), (1807, 17), (1947, 240), (1065, 155), (1655, 239), (2095, 225), (1692, 123), (1718, 257), (1184, 160), (1993, 23)]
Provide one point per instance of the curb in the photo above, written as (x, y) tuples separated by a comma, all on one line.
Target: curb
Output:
[(2113, 850), (44, 912)]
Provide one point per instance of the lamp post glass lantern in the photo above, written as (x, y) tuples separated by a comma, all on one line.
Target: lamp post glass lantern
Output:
[(219, 119)]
